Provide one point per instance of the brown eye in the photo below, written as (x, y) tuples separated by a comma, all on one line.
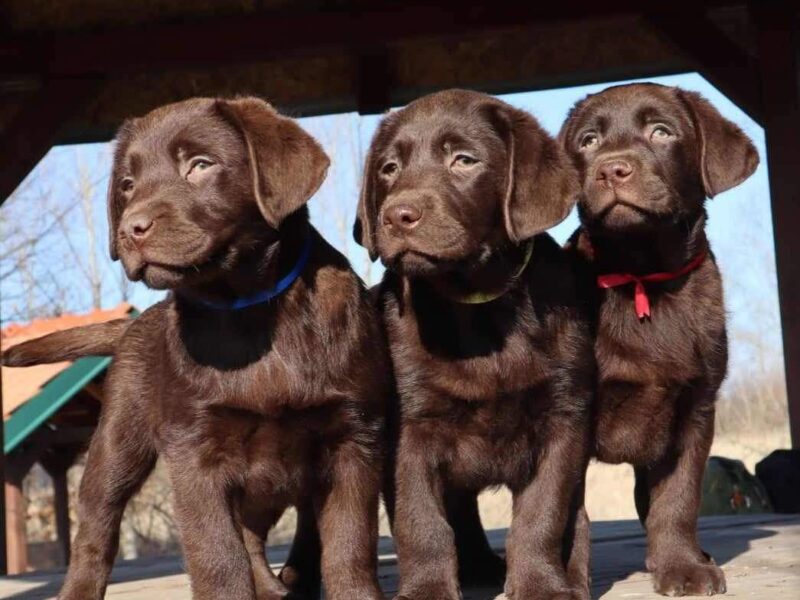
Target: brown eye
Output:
[(390, 168), (660, 133), (589, 140), (464, 160), (126, 185)]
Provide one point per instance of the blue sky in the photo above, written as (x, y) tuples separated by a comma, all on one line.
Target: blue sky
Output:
[(740, 226)]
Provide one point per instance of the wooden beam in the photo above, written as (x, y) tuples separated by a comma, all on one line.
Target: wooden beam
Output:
[(267, 35), (34, 130), (61, 500), (778, 48), (16, 537), (270, 34), (720, 60), (375, 80), (57, 464), (3, 556)]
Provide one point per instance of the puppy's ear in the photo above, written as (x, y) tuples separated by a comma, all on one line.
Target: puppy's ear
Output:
[(726, 155), (541, 184), (287, 164), (367, 213), (115, 203)]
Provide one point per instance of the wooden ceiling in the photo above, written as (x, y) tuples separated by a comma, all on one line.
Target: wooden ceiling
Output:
[(74, 69)]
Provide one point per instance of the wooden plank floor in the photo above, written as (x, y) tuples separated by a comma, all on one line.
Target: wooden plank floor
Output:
[(760, 555)]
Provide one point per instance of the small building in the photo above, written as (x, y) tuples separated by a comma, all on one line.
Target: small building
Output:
[(49, 415)]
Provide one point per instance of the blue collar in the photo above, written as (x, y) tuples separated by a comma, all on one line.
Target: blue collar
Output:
[(265, 295)]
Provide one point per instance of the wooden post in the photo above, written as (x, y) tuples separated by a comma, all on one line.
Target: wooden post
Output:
[(777, 48), (3, 561), (56, 463), (16, 537), (61, 499)]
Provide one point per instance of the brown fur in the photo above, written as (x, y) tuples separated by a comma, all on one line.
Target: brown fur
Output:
[(490, 394), (253, 410), (658, 378)]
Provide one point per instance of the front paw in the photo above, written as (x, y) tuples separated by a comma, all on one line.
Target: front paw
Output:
[(541, 591), (301, 585), (429, 591), (546, 595), (689, 579)]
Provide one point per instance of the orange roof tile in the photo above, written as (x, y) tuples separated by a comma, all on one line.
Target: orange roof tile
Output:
[(20, 384)]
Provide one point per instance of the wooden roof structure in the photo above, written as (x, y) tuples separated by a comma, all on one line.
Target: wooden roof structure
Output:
[(49, 415), (74, 69)]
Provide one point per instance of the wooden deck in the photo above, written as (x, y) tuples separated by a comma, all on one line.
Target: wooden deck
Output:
[(760, 555)]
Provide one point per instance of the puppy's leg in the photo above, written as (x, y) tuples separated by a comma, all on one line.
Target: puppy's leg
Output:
[(256, 520), (477, 563), (301, 573), (216, 559), (541, 515), (423, 538), (121, 455), (675, 558), (348, 525), (577, 548)]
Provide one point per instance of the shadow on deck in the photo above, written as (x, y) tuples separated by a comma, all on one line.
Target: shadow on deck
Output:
[(759, 554)]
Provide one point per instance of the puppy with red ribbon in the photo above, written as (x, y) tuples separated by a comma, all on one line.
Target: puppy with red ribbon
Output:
[(648, 157)]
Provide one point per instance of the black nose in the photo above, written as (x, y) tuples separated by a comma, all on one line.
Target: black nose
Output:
[(138, 227), (403, 217), (615, 171)]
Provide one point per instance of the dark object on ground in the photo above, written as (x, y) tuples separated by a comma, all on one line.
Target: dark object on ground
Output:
[(780, 474), (729, 489)]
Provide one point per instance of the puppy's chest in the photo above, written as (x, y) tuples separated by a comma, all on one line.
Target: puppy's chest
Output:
[(647, 368), (289, 374), (469, 366)]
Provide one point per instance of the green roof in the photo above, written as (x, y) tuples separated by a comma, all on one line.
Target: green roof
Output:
[(58, 391), (55, 394)]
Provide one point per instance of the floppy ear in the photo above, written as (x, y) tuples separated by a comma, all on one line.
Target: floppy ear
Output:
[(114, 202), (541, 184), (727, 156), (367, 214), (287, 164)]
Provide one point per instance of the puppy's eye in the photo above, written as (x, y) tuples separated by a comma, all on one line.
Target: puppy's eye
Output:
[(199, 164), (126, 185), (390, 168), (589, 140), (660, 133), (464, 160)]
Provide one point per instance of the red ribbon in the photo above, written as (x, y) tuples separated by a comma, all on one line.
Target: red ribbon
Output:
[(640, 300)]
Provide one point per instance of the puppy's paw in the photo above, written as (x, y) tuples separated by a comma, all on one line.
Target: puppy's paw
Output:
[(689, 579), (302, 585), (428, 592)]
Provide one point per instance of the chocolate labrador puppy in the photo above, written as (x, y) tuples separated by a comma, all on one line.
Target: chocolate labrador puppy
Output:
[(261, 379), (492, 358), (648, 156)]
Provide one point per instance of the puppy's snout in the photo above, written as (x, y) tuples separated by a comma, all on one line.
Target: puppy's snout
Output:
[(402, 217), (138, 227), (615, 171)]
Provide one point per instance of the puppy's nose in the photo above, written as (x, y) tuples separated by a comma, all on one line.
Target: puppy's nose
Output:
[(403, 217), (138, 227), (615, 171)]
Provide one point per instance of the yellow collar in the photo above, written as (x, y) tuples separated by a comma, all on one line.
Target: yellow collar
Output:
[(484, 297)]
